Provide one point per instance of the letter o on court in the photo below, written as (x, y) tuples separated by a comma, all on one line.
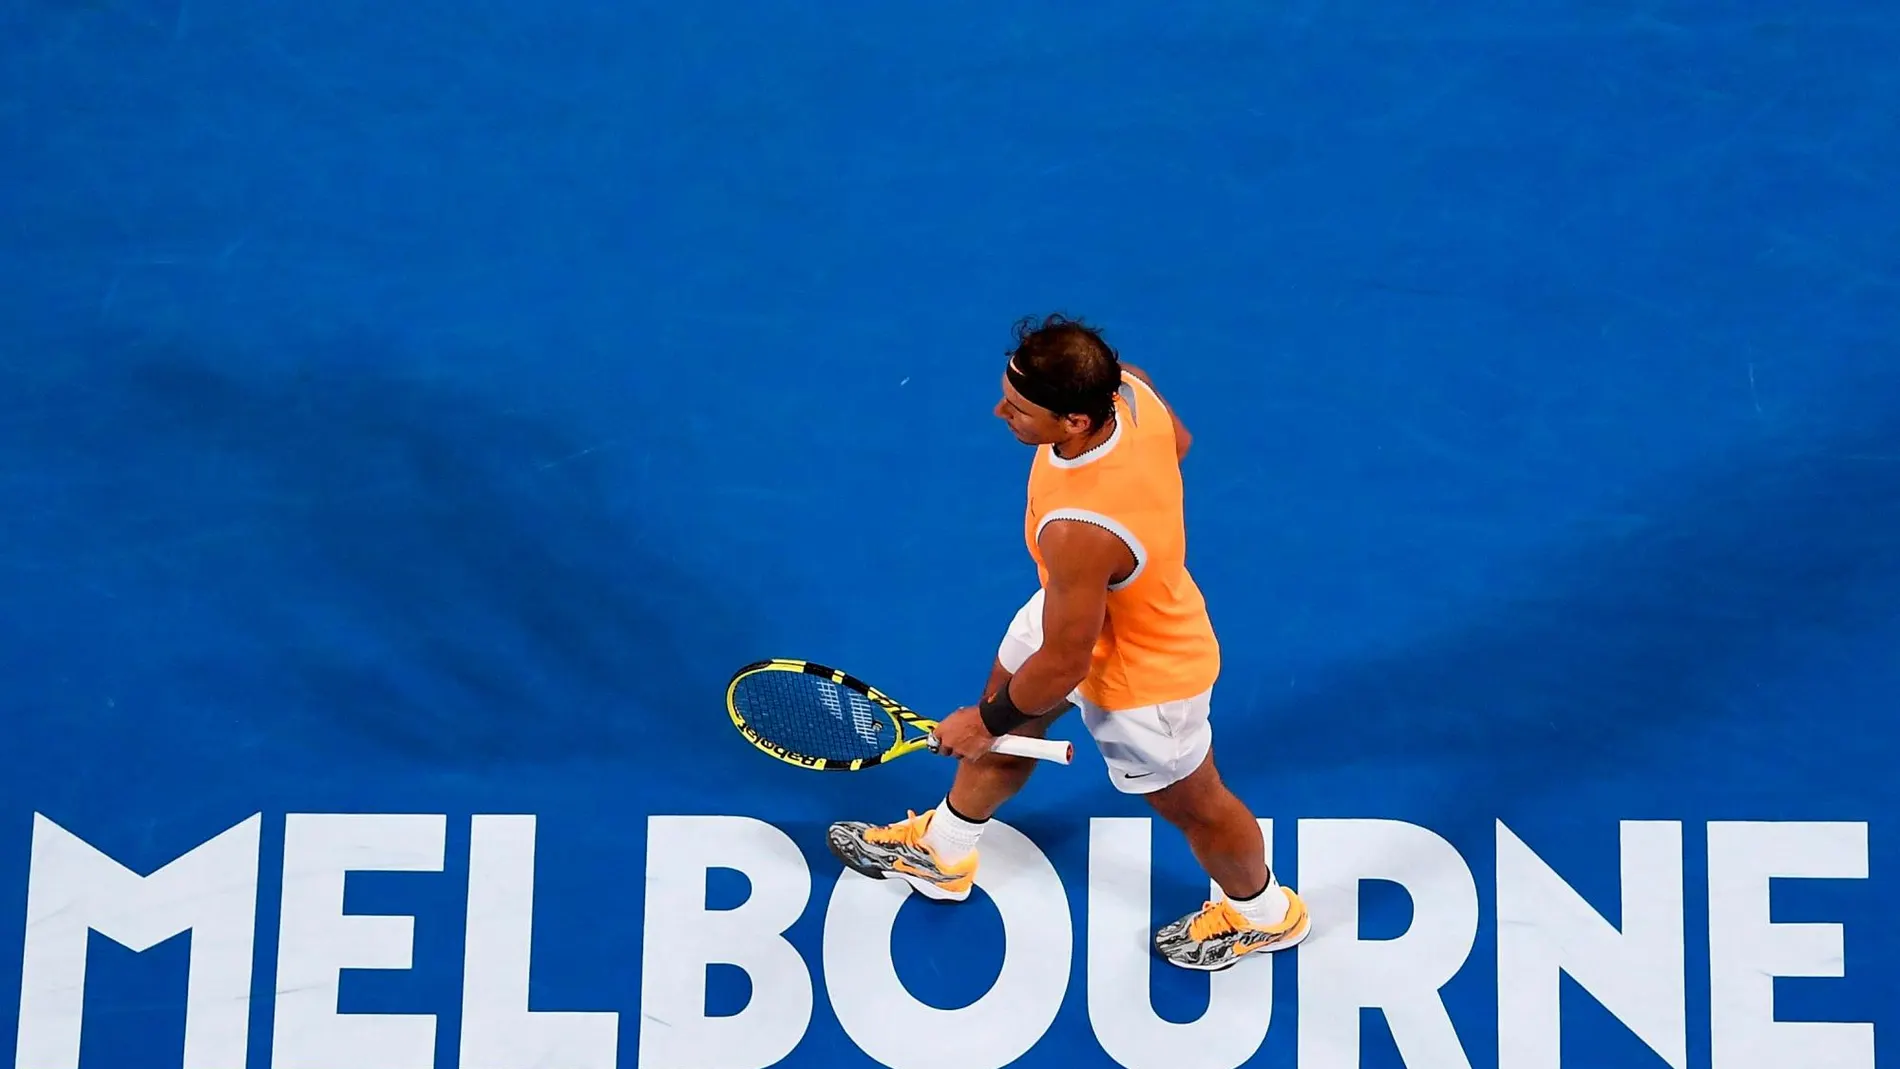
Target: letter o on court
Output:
[(890, 1025)]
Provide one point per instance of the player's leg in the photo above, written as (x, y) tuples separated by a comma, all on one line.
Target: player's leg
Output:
[(936, 851), (1219, 828), (1256, 913), (1165, 754)]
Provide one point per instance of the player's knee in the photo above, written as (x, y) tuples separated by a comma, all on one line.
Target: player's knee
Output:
[(1177, 809), (1199, 798)]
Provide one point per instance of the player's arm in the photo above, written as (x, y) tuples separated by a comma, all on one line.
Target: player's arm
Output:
[(1082, 560), (1182, 439)]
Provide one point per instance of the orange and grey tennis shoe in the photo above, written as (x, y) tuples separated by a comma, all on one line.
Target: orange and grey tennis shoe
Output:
[(1218, 936), (898, 851)]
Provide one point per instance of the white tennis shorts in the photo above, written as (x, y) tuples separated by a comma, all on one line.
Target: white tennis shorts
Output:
[(1146, 748)]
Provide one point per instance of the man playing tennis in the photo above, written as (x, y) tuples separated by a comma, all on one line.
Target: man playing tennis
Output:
[(1118, 629)]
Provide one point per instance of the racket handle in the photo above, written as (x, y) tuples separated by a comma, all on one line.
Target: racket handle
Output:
[(1041, 749)]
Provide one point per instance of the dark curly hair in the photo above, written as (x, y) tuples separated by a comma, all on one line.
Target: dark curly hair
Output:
[(1070, 356)]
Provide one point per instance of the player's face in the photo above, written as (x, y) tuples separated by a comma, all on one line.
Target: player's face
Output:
[(1031, 424)]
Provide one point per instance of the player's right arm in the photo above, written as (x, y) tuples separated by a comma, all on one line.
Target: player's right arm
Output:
[(1182, 439)]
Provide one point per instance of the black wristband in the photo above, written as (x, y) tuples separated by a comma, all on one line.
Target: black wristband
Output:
[(1000, 714)]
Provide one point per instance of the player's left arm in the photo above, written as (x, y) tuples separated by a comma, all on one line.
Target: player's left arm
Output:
[(1082, 559)]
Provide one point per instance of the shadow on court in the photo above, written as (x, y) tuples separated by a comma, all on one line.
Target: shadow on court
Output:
[(1631, 635), (425, 569)]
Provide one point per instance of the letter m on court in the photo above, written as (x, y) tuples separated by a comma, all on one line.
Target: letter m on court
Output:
[(74, 890)]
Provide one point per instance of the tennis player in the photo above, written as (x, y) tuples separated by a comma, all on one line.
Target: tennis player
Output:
[(1117, 629)]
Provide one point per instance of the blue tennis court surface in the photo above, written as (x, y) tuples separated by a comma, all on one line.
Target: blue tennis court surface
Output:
[(410, 414)]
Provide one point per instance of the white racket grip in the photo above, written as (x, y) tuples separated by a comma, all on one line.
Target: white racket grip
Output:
[(1041, 749)]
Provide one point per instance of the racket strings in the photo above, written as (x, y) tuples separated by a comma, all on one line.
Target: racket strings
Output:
[(814, 716)]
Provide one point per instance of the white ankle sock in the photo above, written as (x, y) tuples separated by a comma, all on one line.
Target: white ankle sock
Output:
[(1267, 908), (951, 836)]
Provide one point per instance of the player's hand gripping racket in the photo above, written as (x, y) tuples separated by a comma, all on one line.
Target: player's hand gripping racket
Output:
[(817, 717)]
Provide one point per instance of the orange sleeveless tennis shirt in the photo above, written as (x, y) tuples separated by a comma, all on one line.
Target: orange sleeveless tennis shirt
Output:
[(1157, 642)]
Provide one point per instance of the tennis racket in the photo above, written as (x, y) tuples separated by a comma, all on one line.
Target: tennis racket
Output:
[(816, 717)]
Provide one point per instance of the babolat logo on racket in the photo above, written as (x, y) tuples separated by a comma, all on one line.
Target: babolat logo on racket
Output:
[(777, 749), (864, 716)]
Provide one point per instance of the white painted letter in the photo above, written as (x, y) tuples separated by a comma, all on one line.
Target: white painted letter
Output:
[(1747, 950), (498, 1029), (1545, 928), (1121, 951), (317, 940), (682, 937), (1340, 973), (886, 1021), (73, 889)]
